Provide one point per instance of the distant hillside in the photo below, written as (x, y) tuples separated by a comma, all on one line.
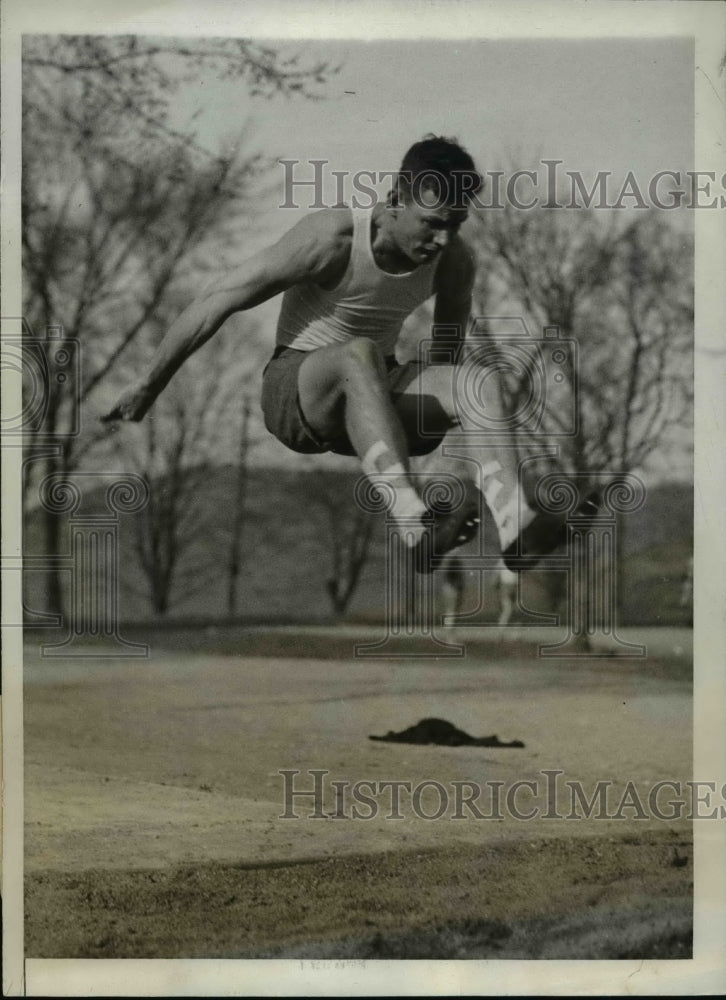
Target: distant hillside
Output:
[(291, 518), (658, 544)]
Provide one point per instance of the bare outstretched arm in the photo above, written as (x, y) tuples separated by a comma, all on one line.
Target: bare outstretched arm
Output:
[(311, 251)]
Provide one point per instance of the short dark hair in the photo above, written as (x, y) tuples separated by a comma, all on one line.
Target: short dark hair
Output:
[(440, 165)]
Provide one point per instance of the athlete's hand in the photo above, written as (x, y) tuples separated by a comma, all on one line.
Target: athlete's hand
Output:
[(132, 405)]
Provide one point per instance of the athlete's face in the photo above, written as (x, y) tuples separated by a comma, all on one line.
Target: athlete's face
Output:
[(423, 226)]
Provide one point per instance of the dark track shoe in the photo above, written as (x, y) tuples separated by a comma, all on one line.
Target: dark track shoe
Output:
[(544, 534), (451, 527)]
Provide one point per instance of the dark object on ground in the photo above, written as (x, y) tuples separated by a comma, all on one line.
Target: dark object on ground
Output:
[(442, 733)]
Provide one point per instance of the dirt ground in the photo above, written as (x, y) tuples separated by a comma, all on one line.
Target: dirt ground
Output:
[(155, 804)]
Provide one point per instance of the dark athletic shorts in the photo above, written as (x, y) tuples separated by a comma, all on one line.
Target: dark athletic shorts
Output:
[(284, 417)]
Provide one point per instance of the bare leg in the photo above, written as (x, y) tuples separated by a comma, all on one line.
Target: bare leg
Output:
[(507, 587), (452, 589), (440, 399), (345, 387), (450, 597)]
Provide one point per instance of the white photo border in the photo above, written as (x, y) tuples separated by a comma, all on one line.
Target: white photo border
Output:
[(706, 23)]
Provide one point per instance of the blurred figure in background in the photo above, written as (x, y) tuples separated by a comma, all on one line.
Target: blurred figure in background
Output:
[(452, 588)]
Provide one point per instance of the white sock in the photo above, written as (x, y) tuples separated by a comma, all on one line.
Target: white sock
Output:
[(406, 504), (510, 517), (405, 507)]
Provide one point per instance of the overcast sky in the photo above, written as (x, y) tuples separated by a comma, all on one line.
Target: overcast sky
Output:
[(615, 104)]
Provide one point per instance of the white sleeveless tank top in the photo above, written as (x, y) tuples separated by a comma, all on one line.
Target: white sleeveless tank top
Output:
[(367, 302)]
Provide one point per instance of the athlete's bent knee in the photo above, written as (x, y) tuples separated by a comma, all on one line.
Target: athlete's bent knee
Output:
[(363, 349), (363, 352)]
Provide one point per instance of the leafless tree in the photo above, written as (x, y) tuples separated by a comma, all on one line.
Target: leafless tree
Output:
[(624, 293), (122, 85), (239, 507), (118, 205), (101, 272), (184, 534), (347, 534)]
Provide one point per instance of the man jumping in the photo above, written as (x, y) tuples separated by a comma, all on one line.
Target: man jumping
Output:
[(349, 279)]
